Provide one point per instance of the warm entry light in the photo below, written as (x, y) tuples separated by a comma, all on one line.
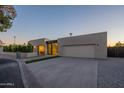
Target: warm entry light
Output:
[(41, 50)]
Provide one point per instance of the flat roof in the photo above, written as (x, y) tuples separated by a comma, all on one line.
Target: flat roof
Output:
[(51, 41)]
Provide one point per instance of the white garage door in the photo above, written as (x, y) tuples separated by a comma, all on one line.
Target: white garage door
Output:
[(79, 51)]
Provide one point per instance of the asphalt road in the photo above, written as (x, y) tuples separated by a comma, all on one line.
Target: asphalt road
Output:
[(10, 76)]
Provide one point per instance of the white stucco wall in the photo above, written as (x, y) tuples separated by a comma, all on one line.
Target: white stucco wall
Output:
[(99, 40), (1, 50), (14, 54)]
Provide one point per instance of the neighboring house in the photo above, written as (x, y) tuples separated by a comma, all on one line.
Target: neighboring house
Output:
[(86, 46)]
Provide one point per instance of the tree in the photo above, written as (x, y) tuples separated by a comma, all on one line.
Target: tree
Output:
[(7, 15), (119, 44)]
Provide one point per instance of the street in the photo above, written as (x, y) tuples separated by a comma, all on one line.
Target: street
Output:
[(10, 76)]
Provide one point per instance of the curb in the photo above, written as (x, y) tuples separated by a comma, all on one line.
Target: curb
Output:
[(29, 80), (22, 73)]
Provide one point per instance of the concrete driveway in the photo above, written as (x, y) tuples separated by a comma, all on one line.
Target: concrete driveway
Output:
[(65, 72)]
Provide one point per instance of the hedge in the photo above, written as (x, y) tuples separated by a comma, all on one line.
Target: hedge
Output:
[(19, 48)]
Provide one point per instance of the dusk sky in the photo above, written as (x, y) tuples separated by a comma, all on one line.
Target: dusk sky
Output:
[(33, 22)]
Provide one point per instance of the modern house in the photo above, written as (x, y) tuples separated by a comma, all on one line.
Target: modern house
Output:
[(85, 46)]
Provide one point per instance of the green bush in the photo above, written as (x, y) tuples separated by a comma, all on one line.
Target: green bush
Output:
[(18, 48)]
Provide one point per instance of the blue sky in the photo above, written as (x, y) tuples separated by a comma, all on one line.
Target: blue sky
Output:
[(33, 22)]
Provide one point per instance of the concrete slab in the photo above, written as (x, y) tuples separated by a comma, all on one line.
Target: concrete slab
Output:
[(65, 72)]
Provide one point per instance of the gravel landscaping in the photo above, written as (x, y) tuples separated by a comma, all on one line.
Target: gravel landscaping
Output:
[(111, 73)]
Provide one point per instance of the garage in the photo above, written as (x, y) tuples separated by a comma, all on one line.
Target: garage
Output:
[(85, 46), (87, 51)]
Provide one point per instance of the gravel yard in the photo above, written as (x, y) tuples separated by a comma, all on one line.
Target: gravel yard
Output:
[(111, 73)]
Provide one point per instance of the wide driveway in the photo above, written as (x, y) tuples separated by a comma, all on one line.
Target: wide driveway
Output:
[(65, 72)]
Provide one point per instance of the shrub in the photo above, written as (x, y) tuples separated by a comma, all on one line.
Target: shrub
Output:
[(18, 48)]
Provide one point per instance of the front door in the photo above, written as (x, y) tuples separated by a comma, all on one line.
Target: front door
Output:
[(41, 50), (52, 49)]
